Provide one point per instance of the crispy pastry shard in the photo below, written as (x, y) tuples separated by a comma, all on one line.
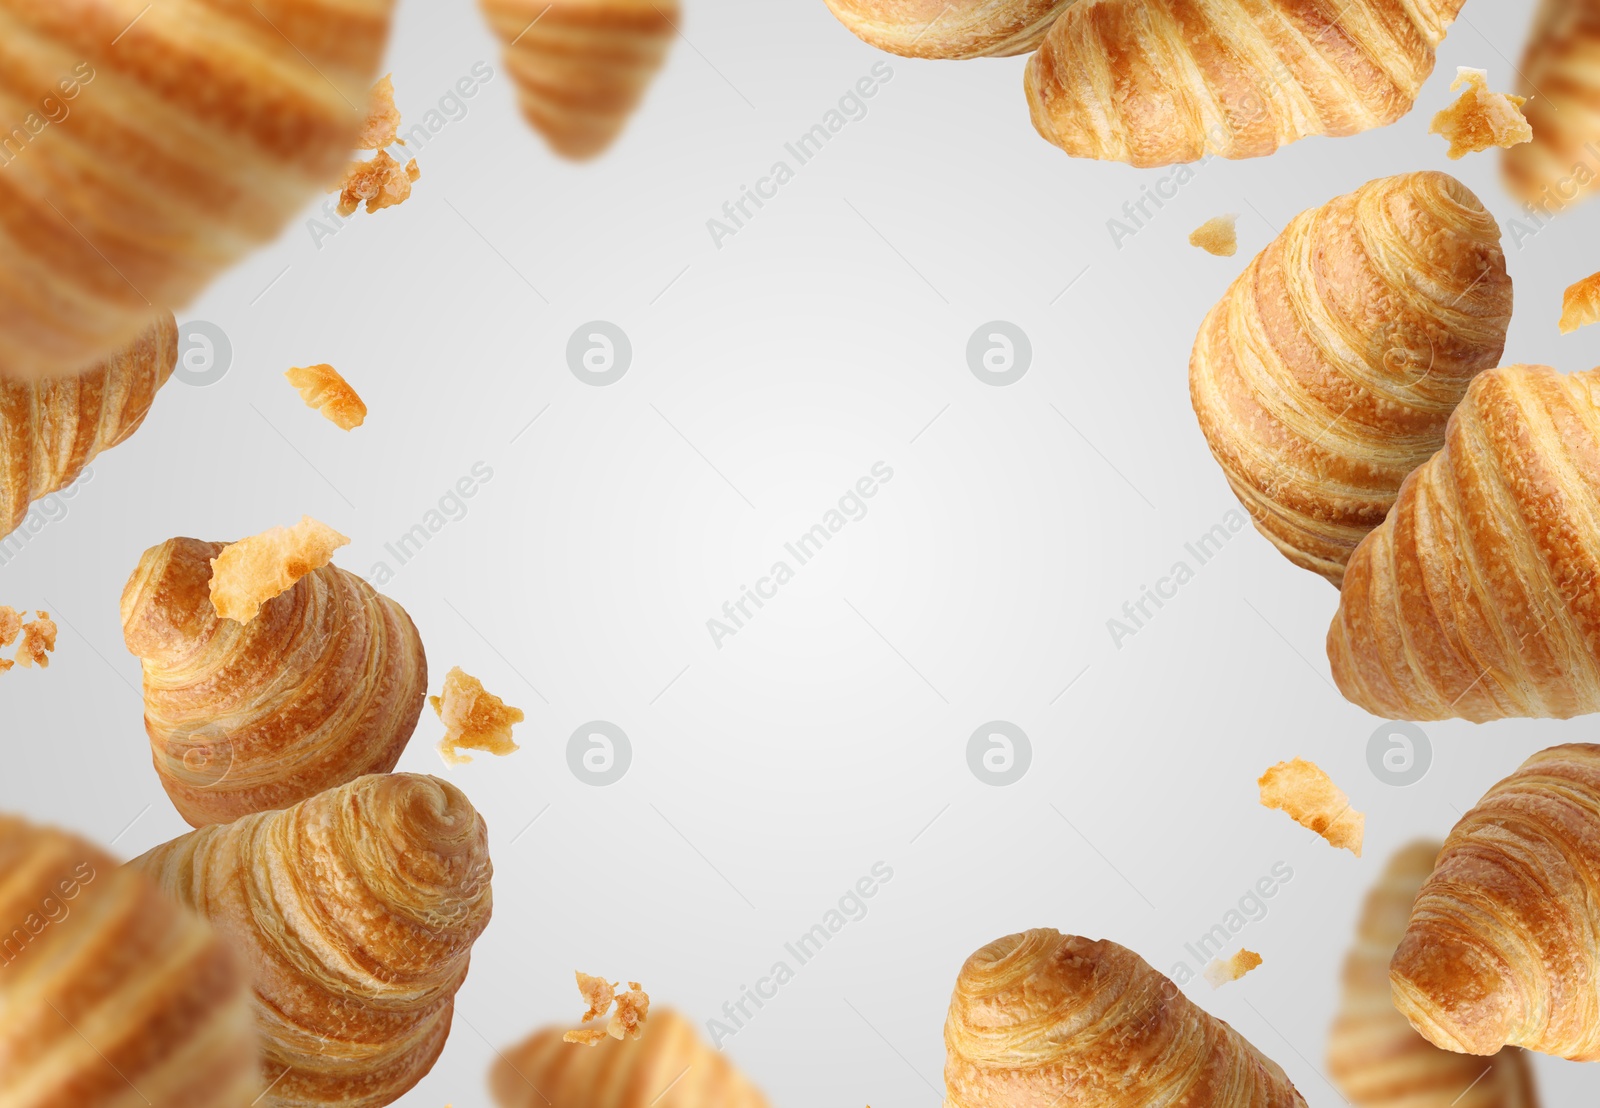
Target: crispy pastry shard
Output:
[(1312, 800), (380, 183), (252, 571), (1223, 970), (476, 719), (322, 388), (38, 640), (382, 125), (1481, 119), (633, 1007), (1580, 306), (598, 994), (10, 625), (1219, 236)]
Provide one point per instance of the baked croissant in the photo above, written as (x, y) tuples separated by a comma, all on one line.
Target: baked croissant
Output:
[(582, 66), (1329, 370), (950, 28), (1560, 75), (1042, 1019), (356, 911), (51, 430), (111, 995), (323, 686), (668, 1067), (1375, 1057), (1500, 949), (1476, 598), (1154, 82), (153, 146)]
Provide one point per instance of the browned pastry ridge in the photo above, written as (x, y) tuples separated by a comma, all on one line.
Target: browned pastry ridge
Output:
[(1560, 75), (111, 995), (1043, 1019), (950, 28), (324, 685)]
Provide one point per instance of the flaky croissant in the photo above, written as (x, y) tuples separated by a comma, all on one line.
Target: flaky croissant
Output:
[(1043, 1019), (323, 686), (1500, 949), (1476, 598), (670, 1066), (1375, 1057), (582, 66), (111, 995), (51, 430), (1329, 370), (1560, 75), (153, 146), (1154, 82), (949, 28), (356, 911)]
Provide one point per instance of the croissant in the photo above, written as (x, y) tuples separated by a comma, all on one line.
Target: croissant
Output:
[(356, 911), (953, 29), (1500, 949), (669, 1067), (582, 66), (1374, 1056), (152, 145), (111, 995), (324, 685), (1154, 82), (1329, 370), (1475, 598), (1041, 1019), (1560, 74), (51, 430)]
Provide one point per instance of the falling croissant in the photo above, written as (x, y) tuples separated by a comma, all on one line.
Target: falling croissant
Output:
[(1046, 1019), (51, 430), (111, 995), (945, 29), (151, 149), (1500, 947), (670, 1066), (1156, 82), (1329, 370), (1560, 74), (1475, 598), (324, 685), (356, 911), (582, 66), (1375, 1057)]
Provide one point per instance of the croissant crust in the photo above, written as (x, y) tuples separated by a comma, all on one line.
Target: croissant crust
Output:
[(1560, 76), (950, 28)]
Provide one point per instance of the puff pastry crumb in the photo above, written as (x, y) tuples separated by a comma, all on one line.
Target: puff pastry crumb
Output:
[(1580, 306), (476, 719), (252, 571), (380, 183), (1481, 119), (1219, 236), (38, 641), (382, 125), (1309, 796), (632, 1008), (1223, 970), (10, 625), (585, 1036), (324, 389), (597, 993)]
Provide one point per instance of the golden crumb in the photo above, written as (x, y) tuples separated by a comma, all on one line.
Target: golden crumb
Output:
[(38, 640), (585, 1036), (1221, 971), (382, 125), (476, 719), (1481, 119), (252, 571), (322, 388), (1219, 236), (1312, 800), (1581, 305), (381, 183), (10, 625), (632, 1008), (597, 993)]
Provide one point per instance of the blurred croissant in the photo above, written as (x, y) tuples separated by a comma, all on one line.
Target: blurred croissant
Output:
[(323, 686), (1500, 949), (950, 28), (51, 430), (111, 995), (1374, 1056), (1154, 82), (356, 911), (582, 66), (669, 1067), (153, 145), (1329, 370), (1560, 74), (1043, 1019), (1476, 598)]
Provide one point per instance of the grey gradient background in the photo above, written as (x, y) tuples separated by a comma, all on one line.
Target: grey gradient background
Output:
[(768, 376)]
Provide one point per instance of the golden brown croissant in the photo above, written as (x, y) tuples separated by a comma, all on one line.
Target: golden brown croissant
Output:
[(323, 686), (950, 28), (111, 995), (582, 66), (152, 145), (1500, 949), (1042, 1019), (1374, 1056), (1329, 370), (1154, 82), (668, 1067), (1476, 598), (1560, 74), (51, 430), (356, 911)]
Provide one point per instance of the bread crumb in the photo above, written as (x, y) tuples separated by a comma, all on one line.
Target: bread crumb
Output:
[(38, 641), (1312, 800), (1581, 305), (474, 719), (1220, 971), (252, 571), (1480, 118), (597, 993), (322, 388), (382, 125), (10, 625), (585, 1036), (1219, 236), (632, 1008), (381, 183)]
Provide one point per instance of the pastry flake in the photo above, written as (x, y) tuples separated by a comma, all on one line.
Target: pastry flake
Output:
[(598, 994), (382, 125), (1580, 305), (38, 641), (1219, 236), (380, 183), (10, 625), (324, 389), (591, 1036), (248, 573), (1223, 970), (633, 1007), (1312, 800), (476, 719), (1481, 119)]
